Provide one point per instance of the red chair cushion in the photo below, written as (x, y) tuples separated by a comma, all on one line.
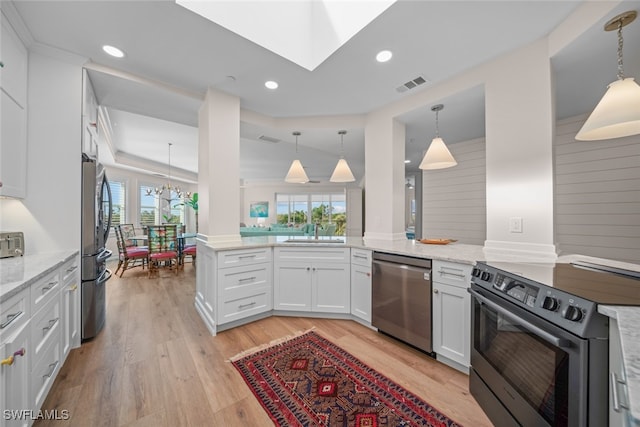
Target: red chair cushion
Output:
[(164, 255), (191, 250), (133, 252)]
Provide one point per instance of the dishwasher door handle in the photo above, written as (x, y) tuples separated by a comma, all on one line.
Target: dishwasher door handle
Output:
[(425, 270)]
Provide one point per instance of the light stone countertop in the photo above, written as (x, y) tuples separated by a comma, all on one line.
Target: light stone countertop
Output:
[(18, 273), (629, 325)]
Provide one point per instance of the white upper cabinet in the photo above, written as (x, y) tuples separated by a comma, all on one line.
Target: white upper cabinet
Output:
[(13, 113)]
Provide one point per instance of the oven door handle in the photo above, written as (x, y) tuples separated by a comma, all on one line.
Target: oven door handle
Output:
[(558, 342)]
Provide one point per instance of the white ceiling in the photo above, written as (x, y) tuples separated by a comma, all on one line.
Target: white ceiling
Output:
[(183, 54)]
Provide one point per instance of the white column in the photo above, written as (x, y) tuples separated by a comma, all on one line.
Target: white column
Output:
[(519, 155), (384, 180), (218, 167)]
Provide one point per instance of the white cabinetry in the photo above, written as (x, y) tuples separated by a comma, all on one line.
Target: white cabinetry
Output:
[(451, 313), (13, 120), (16, 357), (233, 285), (38, 326), (312, 279), (619, 415), (361, 284)]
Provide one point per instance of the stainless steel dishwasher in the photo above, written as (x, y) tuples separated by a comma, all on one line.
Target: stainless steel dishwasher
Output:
[(401, 298)]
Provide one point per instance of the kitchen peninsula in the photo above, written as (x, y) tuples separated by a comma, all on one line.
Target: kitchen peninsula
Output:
[(226, 270)]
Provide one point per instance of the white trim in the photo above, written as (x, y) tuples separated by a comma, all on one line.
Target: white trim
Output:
[(496, 250)]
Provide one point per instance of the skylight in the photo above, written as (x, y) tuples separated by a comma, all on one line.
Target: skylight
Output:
[(305, 32)]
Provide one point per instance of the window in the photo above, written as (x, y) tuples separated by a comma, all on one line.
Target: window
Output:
[(173, 209), (149, 206), (118, 195), (328, 208)]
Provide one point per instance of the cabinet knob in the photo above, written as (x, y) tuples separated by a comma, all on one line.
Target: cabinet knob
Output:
[(435, 291)]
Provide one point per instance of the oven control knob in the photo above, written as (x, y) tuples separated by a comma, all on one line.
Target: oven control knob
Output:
[(550, 303), (476, 272), (486, 276), (572, 313)]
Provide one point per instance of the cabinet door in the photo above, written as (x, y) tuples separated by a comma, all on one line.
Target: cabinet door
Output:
[(361, 291), (13, 73), (13, 148), (331, 287), (292, 286), (451, 322), (618, 396), (15, 378), (71, 317)]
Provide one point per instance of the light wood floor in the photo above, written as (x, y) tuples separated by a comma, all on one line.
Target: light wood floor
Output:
[(155, 363)]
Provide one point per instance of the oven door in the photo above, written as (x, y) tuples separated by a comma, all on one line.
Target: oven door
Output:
[(534, 370)]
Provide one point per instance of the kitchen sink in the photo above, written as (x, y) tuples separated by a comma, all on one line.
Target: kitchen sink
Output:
[(306, 240)]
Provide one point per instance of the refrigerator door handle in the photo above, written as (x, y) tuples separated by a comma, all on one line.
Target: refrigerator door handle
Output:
[(102, 256), (105, 185), (102, 279)]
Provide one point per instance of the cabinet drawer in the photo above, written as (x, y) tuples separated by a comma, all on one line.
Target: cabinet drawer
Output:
[(361, 257), (44, 290), (452, 273), (14, 313), (258, 301), (237, 282), (69, 271), (243, 257), (314, 254), (45, 327), (44, 373)]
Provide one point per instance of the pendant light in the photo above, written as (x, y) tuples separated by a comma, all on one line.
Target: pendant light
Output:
[(618, 112), (296, 173), (158, 191), (342, 172), (438, 155)]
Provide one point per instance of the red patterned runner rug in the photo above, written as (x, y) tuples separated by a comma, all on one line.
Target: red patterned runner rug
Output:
[(309, 381)]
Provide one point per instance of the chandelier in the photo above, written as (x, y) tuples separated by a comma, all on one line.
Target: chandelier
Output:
[(168, 188)]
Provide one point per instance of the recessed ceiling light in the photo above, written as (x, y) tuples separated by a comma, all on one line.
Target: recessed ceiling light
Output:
[(270, 84), (113, 51), (384, 56)]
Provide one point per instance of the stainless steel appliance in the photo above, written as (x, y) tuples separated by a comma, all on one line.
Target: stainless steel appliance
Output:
[(96, 222), (401, 298), (11, 244), (539, 347)]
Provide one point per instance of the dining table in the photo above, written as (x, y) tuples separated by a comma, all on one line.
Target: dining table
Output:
[(182, 237)]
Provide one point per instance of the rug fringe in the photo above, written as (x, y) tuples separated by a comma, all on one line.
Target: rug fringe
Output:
[(272, 343)]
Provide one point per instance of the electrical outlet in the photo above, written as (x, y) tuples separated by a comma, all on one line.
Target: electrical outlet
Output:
[(515, 224)]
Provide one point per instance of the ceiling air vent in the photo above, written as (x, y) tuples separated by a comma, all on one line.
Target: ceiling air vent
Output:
[(411, 84), (270, 139)]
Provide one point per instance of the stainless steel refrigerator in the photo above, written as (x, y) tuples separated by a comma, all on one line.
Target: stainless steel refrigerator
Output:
[(96, 223)]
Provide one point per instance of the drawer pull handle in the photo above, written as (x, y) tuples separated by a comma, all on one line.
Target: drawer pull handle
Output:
[(246, 305), (360, 256), (52, 322), (49, 286), (443, 273), (614, 392), (52, 369), (72, 288), (9, 360), (74, 268), (246, 256), (247, 279), (10, 318)]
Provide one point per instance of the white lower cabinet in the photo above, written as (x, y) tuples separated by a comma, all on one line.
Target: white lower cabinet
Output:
[(452, 314), (310, 279), (361, 284), (619, 415), (16, 375)]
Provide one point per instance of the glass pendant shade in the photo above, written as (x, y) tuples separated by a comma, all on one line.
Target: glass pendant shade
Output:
[(438, 156), (296, 173), (616, 115), (342, 172)]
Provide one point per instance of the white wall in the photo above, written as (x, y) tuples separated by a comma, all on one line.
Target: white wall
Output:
[(50, 213)]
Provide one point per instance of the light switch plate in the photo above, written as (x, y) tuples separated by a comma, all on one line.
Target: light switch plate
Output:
[(515, 224)]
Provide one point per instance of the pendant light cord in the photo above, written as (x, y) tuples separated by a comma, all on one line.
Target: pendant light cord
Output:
[(437, 125), (620, 42)]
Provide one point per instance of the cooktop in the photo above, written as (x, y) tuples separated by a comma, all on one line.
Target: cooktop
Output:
[(594, 282)]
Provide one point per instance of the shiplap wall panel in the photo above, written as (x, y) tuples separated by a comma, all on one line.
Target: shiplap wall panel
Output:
[(454, 199), (597, 194)]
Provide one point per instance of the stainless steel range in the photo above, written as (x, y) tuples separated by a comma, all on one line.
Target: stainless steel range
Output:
[(539, 346)]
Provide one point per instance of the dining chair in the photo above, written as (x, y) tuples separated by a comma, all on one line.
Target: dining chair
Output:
[(129, 256), (189, 250), (128, 232), (163, 247)]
